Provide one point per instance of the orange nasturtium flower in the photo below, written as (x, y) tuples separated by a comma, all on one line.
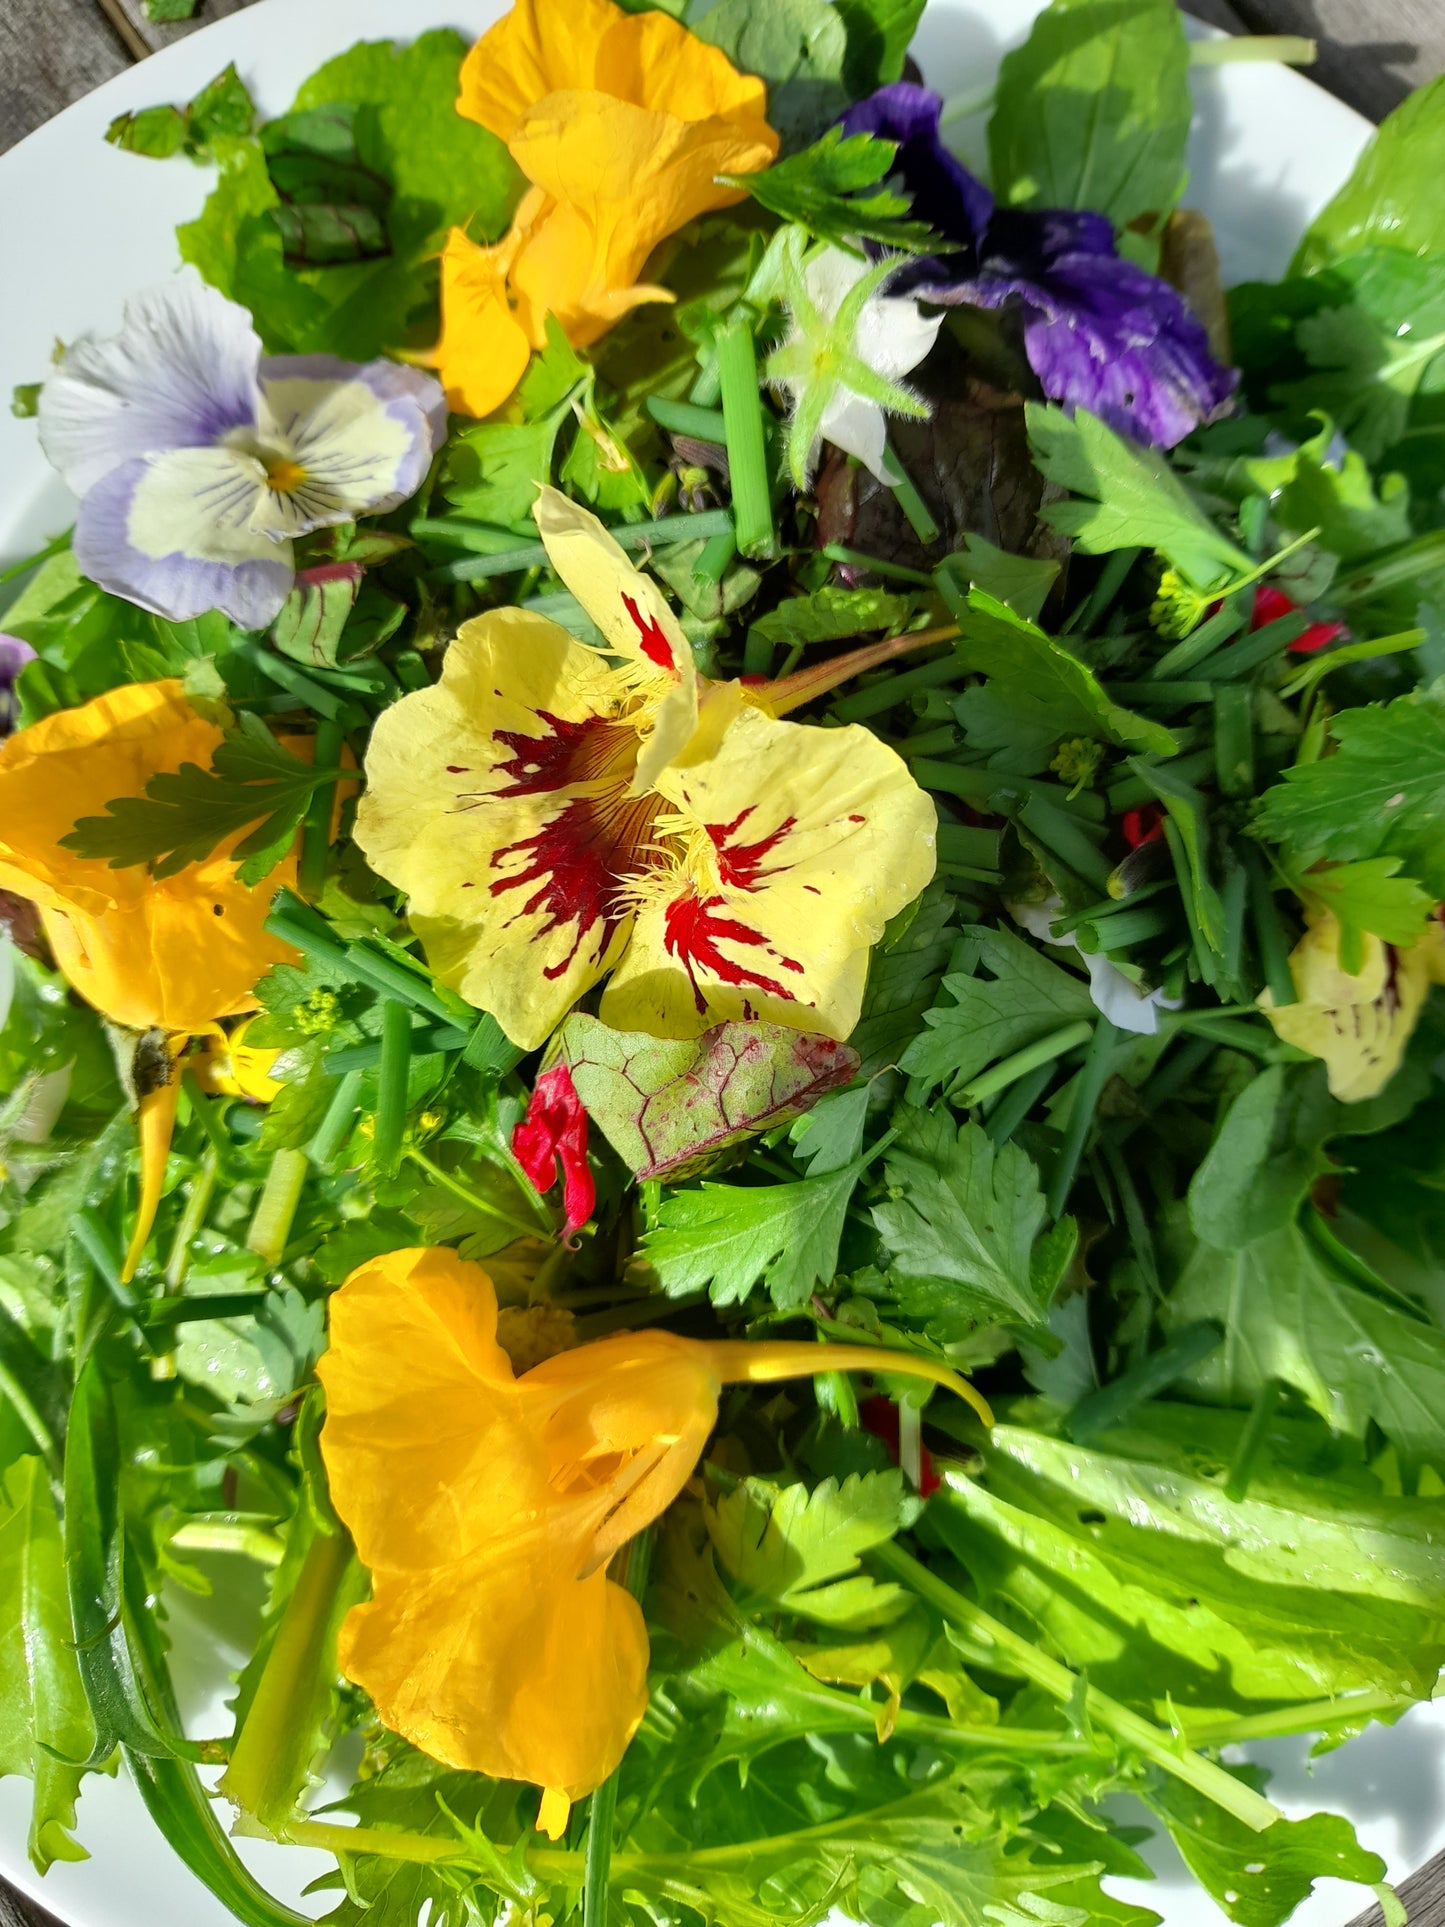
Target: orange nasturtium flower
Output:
[(555, 814), (488, 1506), (622, 123), (169, 955)]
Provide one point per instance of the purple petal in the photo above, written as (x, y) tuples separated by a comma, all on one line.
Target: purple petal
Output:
[(218, 562), (14, 654), (180, 374), (1099, 332), (944, 193)]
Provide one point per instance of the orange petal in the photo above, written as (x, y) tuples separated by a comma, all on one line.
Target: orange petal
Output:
[(484, 349), (157, 1126)]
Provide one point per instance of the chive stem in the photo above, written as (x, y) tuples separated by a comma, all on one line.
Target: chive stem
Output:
[(602, 1807), (316, 828), (628, 535), (1111, 580), (1115, 1403), (276, 1211), (1010, 1069), (882, 695), (875, 565), (1268, 933), (1017, 1102), (391, 1084), (742, 407), (685, 418), (335, 1127), (1090, 1088), (203, 1189), (905, 493), (1251, 1447)]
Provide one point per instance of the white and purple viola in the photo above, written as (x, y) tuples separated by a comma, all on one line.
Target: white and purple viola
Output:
[(199, 461)]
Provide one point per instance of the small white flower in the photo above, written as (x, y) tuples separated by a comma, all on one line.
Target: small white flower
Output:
[(1125, 1006), (841, 364)]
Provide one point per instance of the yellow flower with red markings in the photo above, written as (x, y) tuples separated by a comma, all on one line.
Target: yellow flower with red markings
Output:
[(558, 813), (623, 123), (487, 1507)]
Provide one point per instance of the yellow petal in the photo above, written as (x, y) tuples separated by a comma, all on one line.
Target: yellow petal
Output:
[(157, 1125), (485, 348), (235, 1068), (499, 802), (805, 841), (1358, 1025), (487, 1507), (553, 1812), (647, 59), (173, 955), (636, 621)]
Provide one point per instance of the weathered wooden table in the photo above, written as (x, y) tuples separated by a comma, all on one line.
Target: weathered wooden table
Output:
[(1371, 53)]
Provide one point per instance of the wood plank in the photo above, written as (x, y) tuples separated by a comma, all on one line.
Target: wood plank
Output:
[(1424, 1897), (1372, 52), (17, 1911), (49, 60), (155, 34)]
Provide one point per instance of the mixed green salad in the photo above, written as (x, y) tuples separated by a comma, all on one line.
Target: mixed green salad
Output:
[(1051, 1003)]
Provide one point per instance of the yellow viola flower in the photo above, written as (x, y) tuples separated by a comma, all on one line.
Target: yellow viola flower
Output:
[(622, 123), (1357, 1025), (172, 955), (487, 1507), (556, 814)]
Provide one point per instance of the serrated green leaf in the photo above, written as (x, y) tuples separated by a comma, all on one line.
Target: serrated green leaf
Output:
[(986, 1018), (800, 1550), (729, 1238), (1130, 498), (960, 1225), (822, 190)]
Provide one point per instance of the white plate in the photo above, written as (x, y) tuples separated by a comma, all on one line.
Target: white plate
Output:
[(84, 225)]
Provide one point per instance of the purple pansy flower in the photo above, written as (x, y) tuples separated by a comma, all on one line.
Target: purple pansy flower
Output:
[(14, 654), (1100, 333), (199, 462)]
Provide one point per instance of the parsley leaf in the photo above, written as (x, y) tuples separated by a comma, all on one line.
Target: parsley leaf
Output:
[(1024, 1000), (730, 1237), (1130, 498), (1381, 794), (187, 814), (821, 190), (799, 1550), (1045, 685), (961, 1224), (903, 979)]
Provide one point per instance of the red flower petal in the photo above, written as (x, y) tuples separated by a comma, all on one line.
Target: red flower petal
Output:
[(1143, 825), (1270, 604), (555, 1128)]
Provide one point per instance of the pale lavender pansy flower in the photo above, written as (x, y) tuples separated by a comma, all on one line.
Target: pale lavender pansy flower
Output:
[(199, 461), (14, 654), (1100, 332)]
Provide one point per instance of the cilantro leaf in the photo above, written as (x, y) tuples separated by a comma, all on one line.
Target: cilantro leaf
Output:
[(731, 1237), (1369, 897), (961, 1224), (829, 615), (1382, 793), (1130, 498), (186, 815), (1023, 1001), (821, 189), (799, 1550), (1044, 683)]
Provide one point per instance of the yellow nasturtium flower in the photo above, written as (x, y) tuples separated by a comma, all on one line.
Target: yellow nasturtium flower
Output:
[(555, 813), (233, 1068), (1357, 1024), (487, 1507), (170, 955), (622, 123)]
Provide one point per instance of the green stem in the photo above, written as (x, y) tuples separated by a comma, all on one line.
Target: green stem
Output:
[(602, 1808), (1114, 1403), (742, 407), (1315, 1717), (1251, 1440), (1283, 49), (203, 1189), (1021, 1063), (272, 1755), (1161, 1748), (336, 1126), (1086, 1098), (316, 830), (629, 535), (223, 1535), (391, 1084), (467, 1196), (271, 1226), (883, 694), (920, 520)]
